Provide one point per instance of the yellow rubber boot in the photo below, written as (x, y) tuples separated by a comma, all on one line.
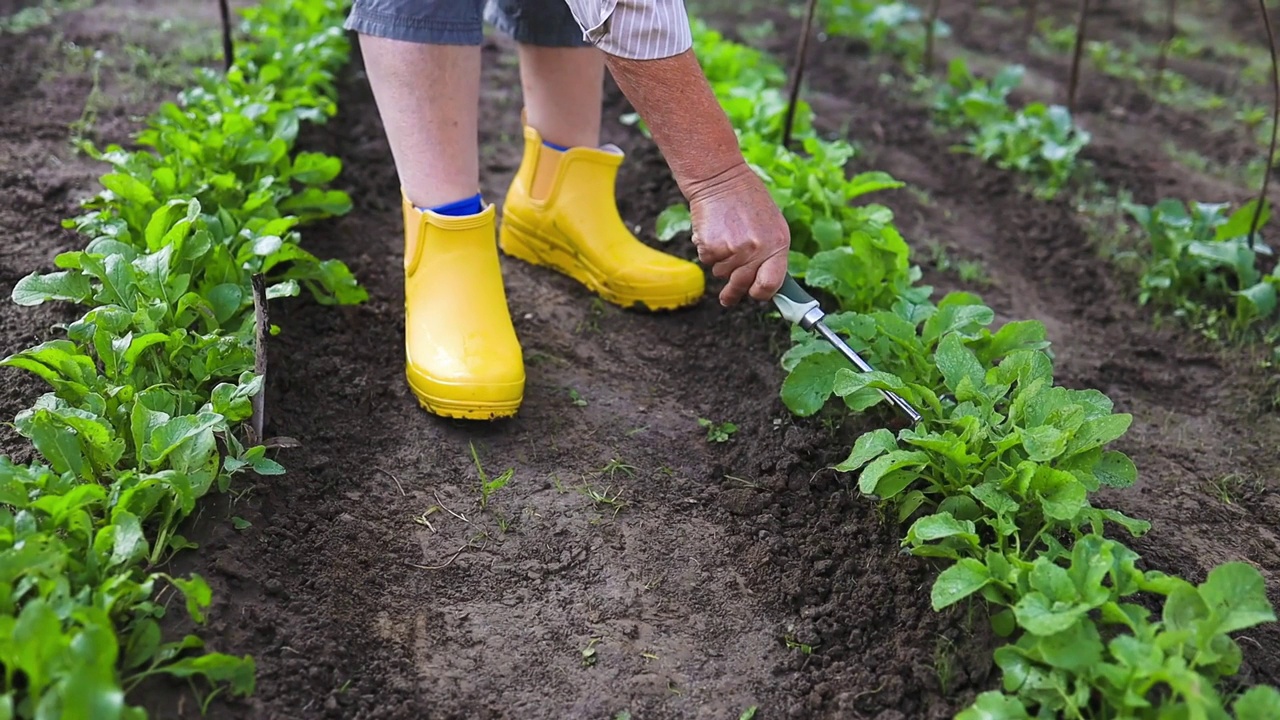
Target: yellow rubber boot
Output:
[(463, 359), (560, 212)]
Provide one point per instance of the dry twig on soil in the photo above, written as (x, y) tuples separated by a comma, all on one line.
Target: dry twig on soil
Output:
[(442, 507), (446, 563), (394, 478)]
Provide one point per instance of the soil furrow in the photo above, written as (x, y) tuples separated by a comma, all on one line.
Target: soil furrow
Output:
[(682, 574), (629, 564)]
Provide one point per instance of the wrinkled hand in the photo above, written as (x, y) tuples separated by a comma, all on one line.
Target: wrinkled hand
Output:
[(740, 232)]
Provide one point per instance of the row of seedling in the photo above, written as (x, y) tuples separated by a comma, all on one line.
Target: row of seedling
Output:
[(994, 483), (156, 389)]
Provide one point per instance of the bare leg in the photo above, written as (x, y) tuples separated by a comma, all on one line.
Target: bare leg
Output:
[(563, 93), (429, 98)]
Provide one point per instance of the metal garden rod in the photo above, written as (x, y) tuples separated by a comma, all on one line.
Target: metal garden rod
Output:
[(799, 307)]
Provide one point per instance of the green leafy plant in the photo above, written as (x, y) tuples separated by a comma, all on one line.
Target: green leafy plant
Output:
[(895, 27), (1087, 652), (1007, 449), (37, 15), (1038, 140), (995, 482), (673, 221), (1199, 263), (904, 337), (718, 432), (152, 384), (967, 99), (488, 485)]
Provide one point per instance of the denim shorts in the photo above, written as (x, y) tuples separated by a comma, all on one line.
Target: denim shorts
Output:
[(548, 23)]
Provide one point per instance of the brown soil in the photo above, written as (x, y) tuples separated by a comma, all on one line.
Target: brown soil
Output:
[(689, 588)]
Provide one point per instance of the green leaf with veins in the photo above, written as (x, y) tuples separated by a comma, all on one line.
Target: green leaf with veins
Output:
[(1236, 596), (35, 288), (868, 447), (811, 382), (869, 479), (959, 367), (964, 578)]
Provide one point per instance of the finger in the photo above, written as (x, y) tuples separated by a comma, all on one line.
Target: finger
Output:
[(739, 282), (725, 268), (713, 253), (770, 277)]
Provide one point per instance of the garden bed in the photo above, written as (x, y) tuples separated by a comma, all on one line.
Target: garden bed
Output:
[(630, 564)]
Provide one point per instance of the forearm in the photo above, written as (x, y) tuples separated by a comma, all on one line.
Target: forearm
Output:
[(683, 115), (648, 48)]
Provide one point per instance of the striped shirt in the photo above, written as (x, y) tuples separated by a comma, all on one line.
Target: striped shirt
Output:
[(635, 29)]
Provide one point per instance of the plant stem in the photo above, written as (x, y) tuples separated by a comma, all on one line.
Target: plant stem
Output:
[(797, 73), (1275, 121), (1075, 60)]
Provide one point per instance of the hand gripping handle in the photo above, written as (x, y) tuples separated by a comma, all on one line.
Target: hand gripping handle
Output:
[(793, 302)]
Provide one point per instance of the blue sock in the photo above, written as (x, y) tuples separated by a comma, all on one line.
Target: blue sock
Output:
[(468, 206), (554, 146)]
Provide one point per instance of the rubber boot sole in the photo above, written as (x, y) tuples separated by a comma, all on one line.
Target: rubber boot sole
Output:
[(463, 409), (522, 244)]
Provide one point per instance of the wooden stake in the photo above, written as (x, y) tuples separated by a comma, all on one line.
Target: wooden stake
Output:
[(934, 9), (1075, 60), (797, 72), (1171, 31), (1275, 121), (1029, 30), (228, 49)]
